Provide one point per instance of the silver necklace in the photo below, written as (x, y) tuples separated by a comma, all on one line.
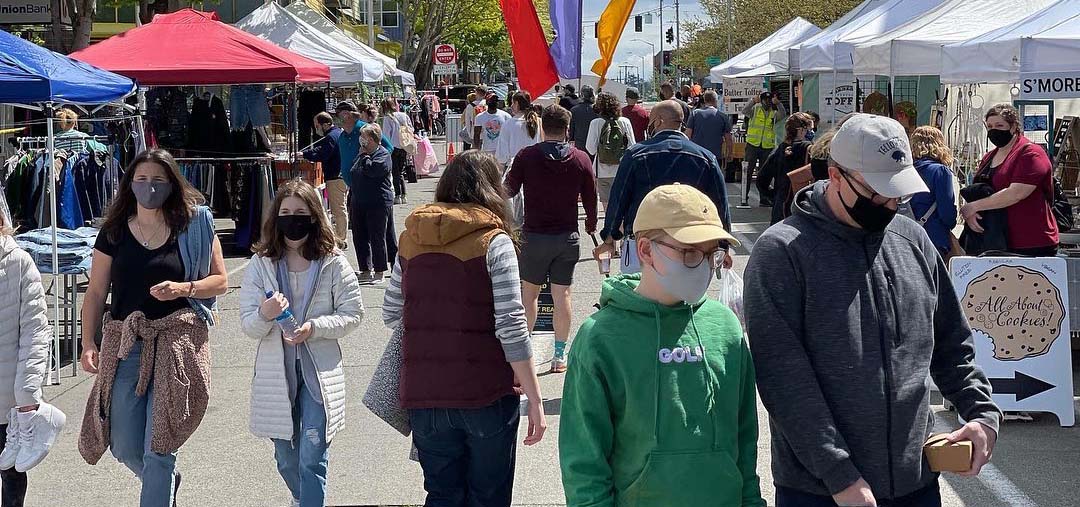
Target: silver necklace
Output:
[(146, 241)]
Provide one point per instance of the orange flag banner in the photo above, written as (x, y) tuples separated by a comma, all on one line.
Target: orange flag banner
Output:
[(608, 32)]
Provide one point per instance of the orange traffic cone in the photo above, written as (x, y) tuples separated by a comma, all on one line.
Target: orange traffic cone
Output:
[(450, 152)]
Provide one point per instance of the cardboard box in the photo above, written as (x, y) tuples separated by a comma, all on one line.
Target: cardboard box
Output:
[(947, 457)]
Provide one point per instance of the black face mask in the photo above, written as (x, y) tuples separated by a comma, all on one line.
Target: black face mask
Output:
[(999, 137), (871, 217), (295, 227)]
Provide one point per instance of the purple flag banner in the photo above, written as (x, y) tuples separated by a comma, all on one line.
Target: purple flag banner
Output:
[(566, 47)]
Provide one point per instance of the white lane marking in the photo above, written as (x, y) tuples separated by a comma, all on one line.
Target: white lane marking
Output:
[(1003, 488), (240, 268)]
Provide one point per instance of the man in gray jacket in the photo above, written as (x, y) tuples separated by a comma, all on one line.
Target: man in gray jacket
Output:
[(848, 308)]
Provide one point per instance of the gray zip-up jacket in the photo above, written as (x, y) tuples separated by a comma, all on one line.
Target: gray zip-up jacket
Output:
[(24, 329), (846, 329)]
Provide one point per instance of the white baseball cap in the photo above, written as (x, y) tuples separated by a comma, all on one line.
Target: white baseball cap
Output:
[(877, 147)]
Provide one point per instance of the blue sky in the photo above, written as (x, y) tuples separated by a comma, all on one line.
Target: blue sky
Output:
[(630, 51)]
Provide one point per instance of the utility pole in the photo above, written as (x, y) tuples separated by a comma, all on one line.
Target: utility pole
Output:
[(661, 32), (731, 25), (678, 42), (371, 23)]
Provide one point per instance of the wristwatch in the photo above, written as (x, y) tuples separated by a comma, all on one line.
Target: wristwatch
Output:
[(191, 289)]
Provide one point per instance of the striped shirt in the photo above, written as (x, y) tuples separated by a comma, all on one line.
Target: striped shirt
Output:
[(511, 328)]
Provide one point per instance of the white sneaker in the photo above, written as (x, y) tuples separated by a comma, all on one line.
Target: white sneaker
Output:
[(295, 503), (377, 278), (37, 432), (11, 445)]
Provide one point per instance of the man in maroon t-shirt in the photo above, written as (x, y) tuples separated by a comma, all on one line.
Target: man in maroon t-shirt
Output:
[(554, 175), (637, 114)]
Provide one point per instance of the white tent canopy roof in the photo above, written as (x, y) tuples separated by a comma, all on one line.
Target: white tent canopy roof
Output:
[(998, 56), (273, 23), (757, 55), (768, 69), (792, 56), (344, 40), (915, 48), (834, 52)]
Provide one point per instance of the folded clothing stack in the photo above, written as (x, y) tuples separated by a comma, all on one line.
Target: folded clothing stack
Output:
[(74, 249)]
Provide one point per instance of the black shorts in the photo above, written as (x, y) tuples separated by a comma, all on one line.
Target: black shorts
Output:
[(544, 254)]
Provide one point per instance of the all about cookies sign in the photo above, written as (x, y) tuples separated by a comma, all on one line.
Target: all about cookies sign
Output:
[(1017, 309)]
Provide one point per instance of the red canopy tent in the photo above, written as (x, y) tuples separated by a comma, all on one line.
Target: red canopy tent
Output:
[(191, 47)]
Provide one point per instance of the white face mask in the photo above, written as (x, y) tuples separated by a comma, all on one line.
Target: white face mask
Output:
[(687, 284)]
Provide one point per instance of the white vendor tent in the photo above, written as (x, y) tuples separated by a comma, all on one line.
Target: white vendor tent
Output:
[(273, 23), (791, 56), (757, 55), (914, 49), (344, 40), (833, 52), (999, 56)]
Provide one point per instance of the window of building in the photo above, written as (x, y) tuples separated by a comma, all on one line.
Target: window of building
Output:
[(386, 12)]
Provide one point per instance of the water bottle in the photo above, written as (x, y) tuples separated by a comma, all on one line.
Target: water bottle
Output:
[(289, 326)]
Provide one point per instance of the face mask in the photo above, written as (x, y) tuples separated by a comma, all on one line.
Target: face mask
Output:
[(295, 227), (999, 137), (810, 135), (151, 194), (687, 284), (871, 217)]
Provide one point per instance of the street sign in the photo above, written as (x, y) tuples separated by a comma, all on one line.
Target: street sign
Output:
[(712, 61), (1050, 85), (31, 12), (837, 95), (445, 70), (1018, 310), (445, 54)]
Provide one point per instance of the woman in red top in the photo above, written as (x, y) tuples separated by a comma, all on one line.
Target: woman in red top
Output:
[(1023, 184)]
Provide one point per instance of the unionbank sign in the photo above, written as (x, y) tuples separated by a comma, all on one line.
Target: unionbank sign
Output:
[(16, 12), (1057, 85)]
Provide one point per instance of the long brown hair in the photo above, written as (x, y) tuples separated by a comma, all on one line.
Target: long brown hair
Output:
[(320, 243), (178, 209), (474, 178), (524, 103), (389, 106)]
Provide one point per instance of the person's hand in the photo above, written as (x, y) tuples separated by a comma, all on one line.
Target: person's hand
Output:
[(274, 306), (302, 335), (607, 247), (728, 260), (89, 359), (856, 495), (590, 230), (982, 441), (970, 213), (537, 422), (168, 291), (776, 100)]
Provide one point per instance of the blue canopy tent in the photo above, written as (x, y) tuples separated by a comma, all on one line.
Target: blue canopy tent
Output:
[(31, 75)]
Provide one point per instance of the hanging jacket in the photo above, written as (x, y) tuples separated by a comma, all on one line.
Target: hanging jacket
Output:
[(659, 407), (25, 333), (847, 328), (334, 311)]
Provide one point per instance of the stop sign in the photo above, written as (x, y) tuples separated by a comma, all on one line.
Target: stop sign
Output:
[(445, 54)]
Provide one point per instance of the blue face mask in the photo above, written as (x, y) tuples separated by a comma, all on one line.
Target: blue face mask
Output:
[(687, 284), (810, 134)]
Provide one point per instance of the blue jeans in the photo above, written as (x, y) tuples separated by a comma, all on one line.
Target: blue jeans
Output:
[(929, 496), (302, 461), (468, 456), (132, 426)]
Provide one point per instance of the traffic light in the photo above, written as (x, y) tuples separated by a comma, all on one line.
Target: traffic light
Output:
[(670, 35), (637, 24)]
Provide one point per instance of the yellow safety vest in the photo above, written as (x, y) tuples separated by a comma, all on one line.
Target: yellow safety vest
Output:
[(760, 133)]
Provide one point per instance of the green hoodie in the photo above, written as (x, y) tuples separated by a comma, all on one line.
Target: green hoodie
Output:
[(646, 420)]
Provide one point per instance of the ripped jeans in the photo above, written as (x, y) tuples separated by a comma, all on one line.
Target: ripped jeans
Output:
[(302, 461)]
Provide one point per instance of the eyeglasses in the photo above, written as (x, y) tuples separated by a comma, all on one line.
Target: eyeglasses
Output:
[(692, 257), (874, 195)]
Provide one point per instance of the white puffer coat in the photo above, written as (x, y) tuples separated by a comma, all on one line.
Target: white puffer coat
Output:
[(24, 329), (335, 311)]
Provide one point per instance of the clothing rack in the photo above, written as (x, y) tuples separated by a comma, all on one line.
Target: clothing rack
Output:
[(40, 142), (223, 159)]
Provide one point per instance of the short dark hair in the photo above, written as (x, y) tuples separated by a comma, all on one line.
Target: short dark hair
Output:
[(709, 97), (555, 119), (324, 118), (667, 86)]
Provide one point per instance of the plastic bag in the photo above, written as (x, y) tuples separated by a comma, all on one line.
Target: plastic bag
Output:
[(425, 160), (731, 292)]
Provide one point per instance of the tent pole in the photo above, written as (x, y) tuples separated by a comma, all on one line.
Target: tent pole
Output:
[(51, 148), (140, 130)]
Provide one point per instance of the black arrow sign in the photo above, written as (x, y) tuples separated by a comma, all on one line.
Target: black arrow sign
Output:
[(1023, 386)]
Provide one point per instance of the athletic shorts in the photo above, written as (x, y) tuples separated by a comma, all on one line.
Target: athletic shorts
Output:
[(544, 254)]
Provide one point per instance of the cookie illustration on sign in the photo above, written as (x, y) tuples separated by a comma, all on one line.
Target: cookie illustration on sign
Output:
[(1019, 309)]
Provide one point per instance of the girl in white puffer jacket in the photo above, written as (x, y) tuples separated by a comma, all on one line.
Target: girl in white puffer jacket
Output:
[(31, 425), (298, 392)]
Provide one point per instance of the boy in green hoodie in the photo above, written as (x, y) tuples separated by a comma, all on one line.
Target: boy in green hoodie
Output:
[(659, 406)]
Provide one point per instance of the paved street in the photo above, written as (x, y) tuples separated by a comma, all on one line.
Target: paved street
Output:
[(223, 465)]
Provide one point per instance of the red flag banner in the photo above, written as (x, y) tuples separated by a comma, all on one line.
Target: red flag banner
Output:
[(535, 68)]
